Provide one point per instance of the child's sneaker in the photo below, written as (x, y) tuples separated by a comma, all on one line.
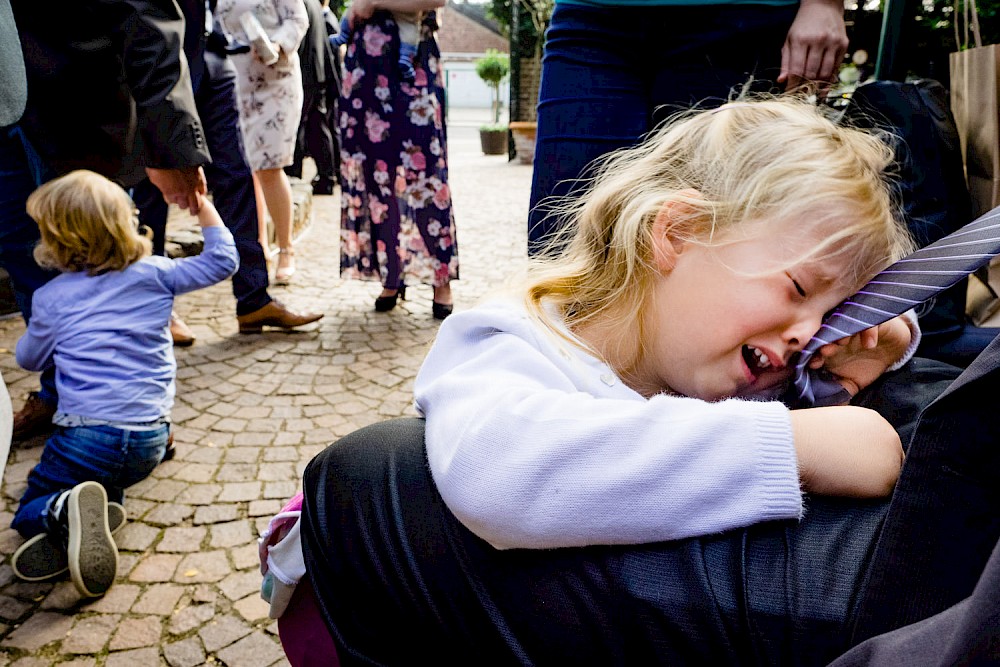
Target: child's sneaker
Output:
[(43, 556), (90, 549)]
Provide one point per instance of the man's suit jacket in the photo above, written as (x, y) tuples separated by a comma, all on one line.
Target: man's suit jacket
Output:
[(948, 512), (108, 86), (315, 50)]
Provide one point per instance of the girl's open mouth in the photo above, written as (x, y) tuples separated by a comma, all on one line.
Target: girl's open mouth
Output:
[(756, 360)]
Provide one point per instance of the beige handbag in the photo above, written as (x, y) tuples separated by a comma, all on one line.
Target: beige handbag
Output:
[(975, 91)]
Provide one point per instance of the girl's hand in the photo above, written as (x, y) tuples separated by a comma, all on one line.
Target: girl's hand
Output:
[(846, 450), (858, 360)]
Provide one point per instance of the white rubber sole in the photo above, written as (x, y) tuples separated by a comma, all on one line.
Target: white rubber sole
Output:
[(92, 553)]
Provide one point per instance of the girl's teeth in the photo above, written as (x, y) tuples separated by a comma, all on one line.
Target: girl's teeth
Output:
[(762, 358)]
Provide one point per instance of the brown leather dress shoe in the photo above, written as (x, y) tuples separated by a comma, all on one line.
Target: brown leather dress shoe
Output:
[(274, 314), (180, 332), (34, 418)]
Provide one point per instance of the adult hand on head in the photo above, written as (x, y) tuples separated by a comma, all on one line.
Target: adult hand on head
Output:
[(815, 45), (180, 186)]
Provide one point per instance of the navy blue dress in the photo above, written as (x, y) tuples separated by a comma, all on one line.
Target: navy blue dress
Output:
[(397, 224)]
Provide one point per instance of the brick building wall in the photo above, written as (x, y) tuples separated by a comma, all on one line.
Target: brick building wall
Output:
[(461, 34)]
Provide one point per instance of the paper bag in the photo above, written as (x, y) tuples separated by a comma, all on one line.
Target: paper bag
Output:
[(975, 90)]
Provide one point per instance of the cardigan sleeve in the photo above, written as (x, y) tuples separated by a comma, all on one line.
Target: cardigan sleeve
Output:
[(532, 449)]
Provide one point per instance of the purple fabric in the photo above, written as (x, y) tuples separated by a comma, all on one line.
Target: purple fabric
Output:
[(303, 633), (396, 216)]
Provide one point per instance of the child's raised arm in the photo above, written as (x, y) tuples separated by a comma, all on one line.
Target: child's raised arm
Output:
[(208, 215)]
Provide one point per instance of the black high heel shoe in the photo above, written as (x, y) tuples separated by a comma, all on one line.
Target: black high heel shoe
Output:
[(384, 304), (441, 310)]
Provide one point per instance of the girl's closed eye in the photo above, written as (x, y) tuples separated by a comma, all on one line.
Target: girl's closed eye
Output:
[(798, 286)]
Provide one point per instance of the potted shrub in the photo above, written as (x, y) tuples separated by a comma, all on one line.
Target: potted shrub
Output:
[(493, 68)]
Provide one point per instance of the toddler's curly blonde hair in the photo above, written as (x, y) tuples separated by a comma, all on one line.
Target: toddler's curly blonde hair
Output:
[(87, 223)]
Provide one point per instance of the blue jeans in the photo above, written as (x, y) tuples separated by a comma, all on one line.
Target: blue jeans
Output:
[(113, 457), (21, 171), (610, 74)]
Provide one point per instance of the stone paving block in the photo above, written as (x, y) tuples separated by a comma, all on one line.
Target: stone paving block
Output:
[(240, 584), (185, 653), (275, 472), (254, 649), (167, 469), (118, 600), (89, 635), (136, 633), (42, 628), (187, 619), (27, 591), (231, 534), (147, 657), (78, 662), (240, 491), (206, 566), (156, 568), (243, 454), (202, 593), (29, 661), (182, 539), (136, 536), (288, 438), (266, 508), (200, 494), (204, 455), (223, 631), (254, 439), (215, 514), (10, 540), (281, 490), (246, 556), (159, 599), (136, 508), (237, 472), (126, 563), (195, 472), (252, 608), (62, 597), (168, 514), (11, 609), (163, 490)]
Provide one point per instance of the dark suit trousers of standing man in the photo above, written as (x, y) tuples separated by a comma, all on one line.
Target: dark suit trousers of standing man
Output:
[(229, 179)]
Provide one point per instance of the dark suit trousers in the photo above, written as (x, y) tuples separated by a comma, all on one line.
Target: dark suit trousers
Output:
[(315, 137), (21, 172), (230, 180)]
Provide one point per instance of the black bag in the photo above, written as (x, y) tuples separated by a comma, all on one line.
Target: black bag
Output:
[(933, 191)]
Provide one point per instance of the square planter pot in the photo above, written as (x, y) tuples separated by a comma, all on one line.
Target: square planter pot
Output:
[(524, 140), (494, 142)]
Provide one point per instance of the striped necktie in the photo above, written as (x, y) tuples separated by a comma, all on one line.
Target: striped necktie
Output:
[(906, 284)]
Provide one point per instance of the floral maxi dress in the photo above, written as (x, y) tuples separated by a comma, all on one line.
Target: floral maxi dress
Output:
[(397, 224)]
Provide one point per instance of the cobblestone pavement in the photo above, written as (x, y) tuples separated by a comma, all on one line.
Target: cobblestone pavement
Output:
[(251, 412)]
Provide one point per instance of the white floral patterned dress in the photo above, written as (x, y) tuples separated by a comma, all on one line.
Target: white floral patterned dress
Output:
[(397, 224), (270, 96)]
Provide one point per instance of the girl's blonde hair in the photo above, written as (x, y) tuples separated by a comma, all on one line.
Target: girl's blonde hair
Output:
[(748, 162), (87, 223)]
